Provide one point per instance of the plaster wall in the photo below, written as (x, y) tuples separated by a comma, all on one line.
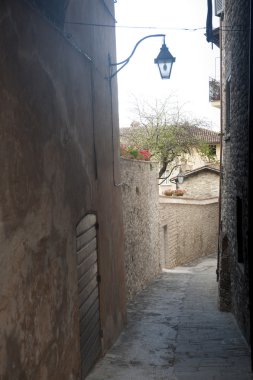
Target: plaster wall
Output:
[(196, 160), (56, 155), (141, 223)]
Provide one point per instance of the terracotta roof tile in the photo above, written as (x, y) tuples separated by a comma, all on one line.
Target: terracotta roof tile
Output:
[(206, 135), (202, 134), (197, 170)]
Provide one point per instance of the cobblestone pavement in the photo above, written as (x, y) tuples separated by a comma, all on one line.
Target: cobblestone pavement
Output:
[(175, 332)]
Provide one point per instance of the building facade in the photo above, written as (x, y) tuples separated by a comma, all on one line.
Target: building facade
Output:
[(62, 291), (201, 183), (235, 242), (207, 155)]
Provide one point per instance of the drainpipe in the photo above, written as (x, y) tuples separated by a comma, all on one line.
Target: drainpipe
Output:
[(221, 152)]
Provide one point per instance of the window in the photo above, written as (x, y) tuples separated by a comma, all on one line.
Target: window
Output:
[(165, 181), (218, 7), (54, 10), (212, 150), (239, 215), (228, 106)]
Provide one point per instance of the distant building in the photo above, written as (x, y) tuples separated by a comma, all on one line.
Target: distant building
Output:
[(200, 183), (191, 163)]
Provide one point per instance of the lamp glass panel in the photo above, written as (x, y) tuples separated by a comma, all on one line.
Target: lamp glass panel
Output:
[(165, 69), (180, 179)]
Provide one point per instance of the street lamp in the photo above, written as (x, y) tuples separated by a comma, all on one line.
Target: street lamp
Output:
[(164, 59), (180, 178)]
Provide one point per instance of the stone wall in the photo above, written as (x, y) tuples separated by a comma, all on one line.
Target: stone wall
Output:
[(233, 263), (56, 154), (188, 229), (141, 223), (204, 184)]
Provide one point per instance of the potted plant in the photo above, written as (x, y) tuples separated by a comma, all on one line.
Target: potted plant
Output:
[(168, 192), (179, 192), (134, 152)]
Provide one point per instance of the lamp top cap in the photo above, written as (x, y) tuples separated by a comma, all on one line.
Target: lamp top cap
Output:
[(165, 55)]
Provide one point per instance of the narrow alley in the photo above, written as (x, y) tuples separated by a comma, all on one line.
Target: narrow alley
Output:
[(175, 332)]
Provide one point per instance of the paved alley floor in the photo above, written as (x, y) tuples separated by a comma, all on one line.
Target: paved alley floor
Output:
[(175, 332)]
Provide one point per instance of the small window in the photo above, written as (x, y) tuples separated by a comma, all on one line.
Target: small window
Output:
[(239, 215), (219, 7), (228, 106), (165, 179), (54, 10), (212, 150)]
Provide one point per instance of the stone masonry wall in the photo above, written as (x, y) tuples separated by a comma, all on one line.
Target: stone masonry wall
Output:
[(141, 223), (233, 263), (202, 185), (188, 228)]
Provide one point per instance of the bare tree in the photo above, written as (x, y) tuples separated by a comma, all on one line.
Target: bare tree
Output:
[(163, 130)]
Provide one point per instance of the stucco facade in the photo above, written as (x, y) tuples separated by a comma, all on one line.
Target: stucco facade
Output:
[(56, 155), (196, 160)]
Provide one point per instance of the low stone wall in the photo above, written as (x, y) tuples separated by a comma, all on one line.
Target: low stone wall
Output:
[(141, 223), (188, 229)]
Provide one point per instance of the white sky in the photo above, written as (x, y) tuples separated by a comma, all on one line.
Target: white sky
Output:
[(195, 59)]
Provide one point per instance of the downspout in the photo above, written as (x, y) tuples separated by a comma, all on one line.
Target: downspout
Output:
[(209, 38), (221, 153)]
